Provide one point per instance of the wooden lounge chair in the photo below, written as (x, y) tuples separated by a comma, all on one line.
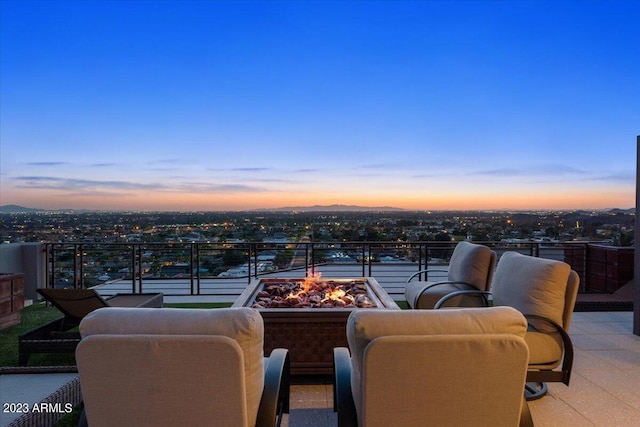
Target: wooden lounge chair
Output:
[(60, 336)]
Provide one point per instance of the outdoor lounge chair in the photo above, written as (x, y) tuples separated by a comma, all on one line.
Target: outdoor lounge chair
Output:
[(411, 368), (180, 367), (471, 268), (58, 336), (545, 291)]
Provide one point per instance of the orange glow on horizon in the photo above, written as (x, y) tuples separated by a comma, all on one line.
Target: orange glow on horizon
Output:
[(175, 201)]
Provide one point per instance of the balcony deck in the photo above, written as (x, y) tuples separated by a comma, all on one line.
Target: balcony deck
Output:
[(603, 391)]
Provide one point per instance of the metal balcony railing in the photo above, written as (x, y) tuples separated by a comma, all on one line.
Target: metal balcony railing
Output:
[(199, 267)]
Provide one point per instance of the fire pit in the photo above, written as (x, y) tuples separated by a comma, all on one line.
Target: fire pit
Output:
[(308, 316), (314, 293)]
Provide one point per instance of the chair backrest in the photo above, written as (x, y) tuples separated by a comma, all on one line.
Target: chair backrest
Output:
[(536, 286), (75, 304), (149, 367), (438, 367), (472, 263)]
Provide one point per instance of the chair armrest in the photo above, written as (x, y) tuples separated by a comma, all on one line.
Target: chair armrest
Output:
[(486, 296), (567, 358), (276, 392), (428, 270), (342, 398)]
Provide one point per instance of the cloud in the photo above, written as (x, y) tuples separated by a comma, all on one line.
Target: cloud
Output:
[(429, 175), (86, 186), (102, 165), (539, 171), (47, 163), (250, 169), (384, 165), (169, 161), (53, 183), (195, 187), (617, 177), (242, 169)]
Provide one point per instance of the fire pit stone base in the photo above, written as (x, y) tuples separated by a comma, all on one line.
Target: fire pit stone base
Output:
[(310, 334)]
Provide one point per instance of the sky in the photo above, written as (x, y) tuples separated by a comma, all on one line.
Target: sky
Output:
[(214, 105)]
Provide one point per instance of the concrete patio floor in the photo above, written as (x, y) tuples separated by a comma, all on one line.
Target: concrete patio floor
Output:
[(604, 390)]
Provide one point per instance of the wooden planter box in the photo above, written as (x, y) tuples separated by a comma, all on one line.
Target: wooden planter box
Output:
[(11, 299), (602, 269)]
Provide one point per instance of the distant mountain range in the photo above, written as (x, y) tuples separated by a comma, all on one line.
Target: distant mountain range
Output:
[(333, 208), (18, 209)]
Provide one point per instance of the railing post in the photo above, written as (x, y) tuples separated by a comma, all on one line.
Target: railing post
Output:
[(420, 246), (426, 262), (255, 259), (47, 279), (139, 249), (75, 265), (248, 249), (306, 260), (191, 267), (133, 269), (197, 245), (51, 262)]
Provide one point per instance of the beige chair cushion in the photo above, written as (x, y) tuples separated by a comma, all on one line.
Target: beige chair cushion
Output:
[(444, 380), (162, 380), (244, 325), (545, 350), (363, 326), (531, 285), (470, 263)]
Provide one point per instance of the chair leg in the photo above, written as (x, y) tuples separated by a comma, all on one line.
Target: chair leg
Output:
[(534, 391)]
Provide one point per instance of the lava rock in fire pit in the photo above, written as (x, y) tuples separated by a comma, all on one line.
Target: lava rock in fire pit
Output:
[(314, 293)]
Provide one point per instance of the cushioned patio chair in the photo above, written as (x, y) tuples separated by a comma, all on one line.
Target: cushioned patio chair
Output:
[(545, 291), (456, 367), (179, 367), (471, 268)]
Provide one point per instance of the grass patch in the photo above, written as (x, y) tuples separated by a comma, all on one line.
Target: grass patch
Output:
[(37, 315), (31, 317)]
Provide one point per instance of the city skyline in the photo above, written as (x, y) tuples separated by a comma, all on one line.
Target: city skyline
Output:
[(213, 106)]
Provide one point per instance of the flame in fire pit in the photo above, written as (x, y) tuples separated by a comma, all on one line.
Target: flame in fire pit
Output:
[(310, 280)]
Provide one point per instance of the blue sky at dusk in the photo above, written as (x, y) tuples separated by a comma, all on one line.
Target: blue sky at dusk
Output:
[(212, 105)]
